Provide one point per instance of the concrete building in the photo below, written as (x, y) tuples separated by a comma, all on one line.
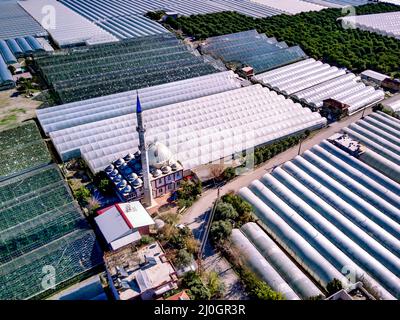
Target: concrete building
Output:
[(123, 223), (166, 173), (140, 274)]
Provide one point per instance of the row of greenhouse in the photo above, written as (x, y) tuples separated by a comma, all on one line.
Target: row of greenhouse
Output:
[(386, 24), (97, 9), (15, 22), (329, 214), (12, 49), (312, 82), (249, 48), (197, 131), (119, 104), (41, 225), (100, 70)]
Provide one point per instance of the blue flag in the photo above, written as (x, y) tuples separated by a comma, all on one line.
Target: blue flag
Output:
[(138, 106)]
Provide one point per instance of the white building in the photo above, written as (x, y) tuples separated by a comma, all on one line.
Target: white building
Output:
[(123, 223)]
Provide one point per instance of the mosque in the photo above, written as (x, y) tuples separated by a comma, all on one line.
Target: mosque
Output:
[(150, 173)]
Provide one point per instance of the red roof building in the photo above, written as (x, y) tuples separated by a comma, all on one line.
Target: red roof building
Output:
[(123, 223)]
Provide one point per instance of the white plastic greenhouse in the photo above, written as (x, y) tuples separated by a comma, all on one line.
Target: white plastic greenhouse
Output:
[(312, 82), (291, 6), (196, 131), (105, 107), (66, 27), (260, 266), (289, 271), (387, 24), (115, 8), (348, 211)]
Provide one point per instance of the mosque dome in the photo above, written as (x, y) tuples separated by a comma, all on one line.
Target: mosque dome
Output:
[(160, 155)]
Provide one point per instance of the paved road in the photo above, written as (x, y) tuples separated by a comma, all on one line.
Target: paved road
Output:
[(195, 216)]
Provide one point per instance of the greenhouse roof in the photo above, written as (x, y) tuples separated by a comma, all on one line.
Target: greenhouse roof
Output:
[(96, 9), (328, 209), (312, 82), (22, 149), (339, 3), (292, 6), (18, 47), (387, 24), (16, 22), (196, 131), (81, 112), (101, 70), (254, 49), (380, 133), (5, 74), (41, 226), (69, 29)]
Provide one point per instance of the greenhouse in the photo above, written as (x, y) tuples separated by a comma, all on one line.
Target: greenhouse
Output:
[(386, 24), (382, 138), (101, 70), (41, 225), (6, 53), (70, 28), (339, 3), (73, 255), (16, 22), (6, 78), (260, 266), (253, 49), (292, 6), (11, 49), (22, 150), (311, 82), (345, 209), (197, 131), (295, 277), (98, 9), (96, 109)]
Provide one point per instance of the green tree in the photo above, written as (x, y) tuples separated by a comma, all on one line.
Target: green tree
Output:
[(225, 211), (220, 230), (229, 173), (215, 286), (183, 258), (263, 292), (197, 289), (334, 286)]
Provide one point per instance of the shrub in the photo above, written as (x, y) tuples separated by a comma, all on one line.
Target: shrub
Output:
[(82, 195), (197, 289), (229, 173), (146, 239), (220, 230), (225, 211), (215, 286), (183, 258)]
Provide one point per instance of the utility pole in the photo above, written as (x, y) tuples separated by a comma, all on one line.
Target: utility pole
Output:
[(207, 231), (301, 141), (362, 115)]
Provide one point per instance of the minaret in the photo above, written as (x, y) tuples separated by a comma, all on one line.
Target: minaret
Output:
[(148, 194)]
